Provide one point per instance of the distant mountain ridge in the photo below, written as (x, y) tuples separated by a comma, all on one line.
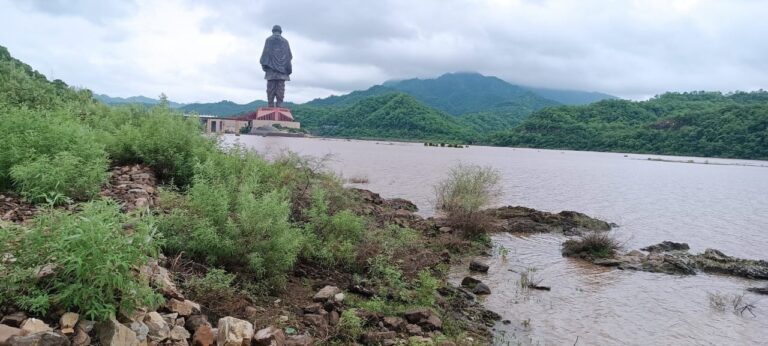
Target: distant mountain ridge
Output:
[(133, 100)]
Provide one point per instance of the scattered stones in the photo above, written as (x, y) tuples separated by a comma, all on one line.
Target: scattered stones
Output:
[(68, 321), (478, 266), (319, 322), (81, 337), (204, 336), (196, 321), (394, 323), (425, 318), (183, 308), (6, 332), (133, 186), (413, 329), (14, 320), (112, 332), (481, 289), (160, 278), (269, 336), (178, 333), (234, 332), (47, 338), (33, 325), (140, 329), (326, 293)]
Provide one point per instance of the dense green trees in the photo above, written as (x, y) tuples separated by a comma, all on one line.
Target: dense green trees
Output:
[(695, 124)]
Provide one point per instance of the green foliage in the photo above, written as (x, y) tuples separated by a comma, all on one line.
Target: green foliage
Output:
[(45, 177), (388, 277), (332, 239), (466, 190), (350, 325), (426, 289), (692, 124), (230, 218), (92, 261)]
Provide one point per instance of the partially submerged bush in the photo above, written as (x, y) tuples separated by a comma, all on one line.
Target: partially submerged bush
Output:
[(84, 262), (462, 195), (592, 245)]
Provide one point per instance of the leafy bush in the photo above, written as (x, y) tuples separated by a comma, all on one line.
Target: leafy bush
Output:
[(230, 219), (45, 177), (426, 289), (84, 262), (466, 190), (216, 291), (594, 244), (332, 239), (350, 325)]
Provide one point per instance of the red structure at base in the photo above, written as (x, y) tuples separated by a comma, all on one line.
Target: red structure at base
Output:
[(269, 113)]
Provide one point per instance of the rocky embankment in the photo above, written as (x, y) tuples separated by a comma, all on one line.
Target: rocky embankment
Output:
[(673, 258)]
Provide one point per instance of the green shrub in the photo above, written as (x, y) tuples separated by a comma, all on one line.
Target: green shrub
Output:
[(426, 288), (388, 276), (43, 178), (350, 325), (230, 219), (92, 259), (332, 239), (466, 190), (217, 291), (594, 244)]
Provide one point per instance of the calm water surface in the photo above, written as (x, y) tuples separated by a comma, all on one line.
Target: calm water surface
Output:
[(705, 205)]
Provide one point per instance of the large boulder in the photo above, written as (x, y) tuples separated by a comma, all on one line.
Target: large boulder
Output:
[(425, 318), (477, 266), (112, 332), (481, 289), (14, 320), (203, 336), (326, 293), (46, 338), (33, 325), (7, 332), (234, 332), (159, 329), (667, 246), (469, 282), (269, 336)]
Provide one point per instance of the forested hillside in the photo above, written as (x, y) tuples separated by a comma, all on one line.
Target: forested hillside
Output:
[(696, 123)]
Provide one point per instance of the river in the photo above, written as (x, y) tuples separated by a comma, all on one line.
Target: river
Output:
[(718, 203)]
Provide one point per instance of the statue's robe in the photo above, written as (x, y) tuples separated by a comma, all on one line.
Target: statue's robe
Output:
[(276, 58)]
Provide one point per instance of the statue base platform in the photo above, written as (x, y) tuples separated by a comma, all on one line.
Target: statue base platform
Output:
[(274, 113)]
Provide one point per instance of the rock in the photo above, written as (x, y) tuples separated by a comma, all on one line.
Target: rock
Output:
[(33, 325), (333, 318), (234, 332), (319, 322), (758, 290), (425, 318), (196, 321), (326, 293), (636, 253), (140, 329), (46, 338), (68, 321), (377, 338), (7, 332), (394, 323), (159, 329), (86, 325), (413, 329), (183, 308), (481, 289), (46, 271), (667, 246), (269, 336), (204, 336), (470, 282), (607, 262), (112, 332), (14, 320), (363, 291), (478, 266), (445, 229), (160, 278), (178, 333), (81, 337), (338, 297), (170, 319), (299, 340)]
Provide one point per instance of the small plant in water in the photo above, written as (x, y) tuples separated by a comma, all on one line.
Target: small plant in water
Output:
[(722, 302)]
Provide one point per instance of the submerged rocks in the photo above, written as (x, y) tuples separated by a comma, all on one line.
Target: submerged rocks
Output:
[(477, 266), (667, 246), (424, 318), (526, 220)]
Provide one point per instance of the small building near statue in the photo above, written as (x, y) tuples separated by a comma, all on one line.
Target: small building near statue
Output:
[(263, 117)]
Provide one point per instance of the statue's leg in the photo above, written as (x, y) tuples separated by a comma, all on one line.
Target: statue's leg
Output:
[(280, 92), (271, 93)]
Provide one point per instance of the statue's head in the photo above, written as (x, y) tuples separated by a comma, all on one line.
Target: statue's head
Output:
[(277, 29)]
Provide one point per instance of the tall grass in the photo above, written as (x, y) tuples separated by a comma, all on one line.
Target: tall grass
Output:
[(465, 192)]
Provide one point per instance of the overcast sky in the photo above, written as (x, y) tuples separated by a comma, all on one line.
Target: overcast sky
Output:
[(197, 50)]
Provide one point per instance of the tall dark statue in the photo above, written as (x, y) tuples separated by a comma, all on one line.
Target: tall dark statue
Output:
[(276, 63)]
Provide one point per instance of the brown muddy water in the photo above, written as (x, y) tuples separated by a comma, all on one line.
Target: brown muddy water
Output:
[(705, 205)]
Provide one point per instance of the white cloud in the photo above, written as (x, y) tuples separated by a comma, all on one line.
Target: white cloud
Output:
[(203, 50)]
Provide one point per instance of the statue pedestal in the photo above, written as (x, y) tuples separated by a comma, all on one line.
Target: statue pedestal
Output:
[(274, 114)]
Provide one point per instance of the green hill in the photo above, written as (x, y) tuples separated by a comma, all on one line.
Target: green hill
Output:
[(691, 124), (140, 100), (571, 97), (222, 108), (391, 115)]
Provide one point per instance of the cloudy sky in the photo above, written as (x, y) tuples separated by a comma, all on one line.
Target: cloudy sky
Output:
[(208, 50)]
